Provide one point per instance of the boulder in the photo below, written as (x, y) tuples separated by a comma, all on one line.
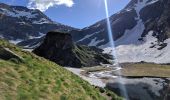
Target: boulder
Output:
[(7, 54)]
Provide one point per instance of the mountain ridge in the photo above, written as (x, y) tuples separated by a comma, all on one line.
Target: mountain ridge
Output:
[(134, 28), (140, 31), (20, 24)]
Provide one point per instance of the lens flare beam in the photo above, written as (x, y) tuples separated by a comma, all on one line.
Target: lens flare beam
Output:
[(112, 44)]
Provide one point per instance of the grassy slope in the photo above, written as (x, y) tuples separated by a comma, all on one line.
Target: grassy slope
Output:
[(88, 56), (36, 78), (146, 69), (137, 70)]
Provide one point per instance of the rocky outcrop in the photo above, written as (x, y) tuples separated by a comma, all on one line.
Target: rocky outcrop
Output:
[(7, 54), (59, 47)]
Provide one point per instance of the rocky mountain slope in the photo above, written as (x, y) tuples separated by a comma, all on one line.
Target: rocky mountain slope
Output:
[(59, 47), (25, 76), (141, 32), (19, 24)]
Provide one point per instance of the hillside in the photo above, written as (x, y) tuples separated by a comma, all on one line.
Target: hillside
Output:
[(25, 76)]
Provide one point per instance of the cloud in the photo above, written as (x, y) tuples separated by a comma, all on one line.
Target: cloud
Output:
[(43, 5)]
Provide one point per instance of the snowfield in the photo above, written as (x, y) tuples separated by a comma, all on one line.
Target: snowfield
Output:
[(137, 51), (129, 48)]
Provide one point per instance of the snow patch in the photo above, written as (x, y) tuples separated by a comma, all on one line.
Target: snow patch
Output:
[(152, 2), (142, 52), (15, 41), (131, 36), (94, 42), (1, 36), (90, 35), (141, 4), (17, 13), (92, 81), (41, 21)]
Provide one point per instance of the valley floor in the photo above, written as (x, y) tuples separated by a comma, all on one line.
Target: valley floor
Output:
[(150, 80)]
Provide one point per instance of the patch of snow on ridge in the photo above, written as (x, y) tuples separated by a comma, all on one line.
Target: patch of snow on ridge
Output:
[(17, 13), (131, 36), (15, 41), (139, 6), (86, 37), (152, 2), (94, 42), (41, 21), (1, 36), (37, 37), (89, 35)]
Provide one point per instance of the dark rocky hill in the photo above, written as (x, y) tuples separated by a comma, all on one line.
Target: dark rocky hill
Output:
[(59, 47)]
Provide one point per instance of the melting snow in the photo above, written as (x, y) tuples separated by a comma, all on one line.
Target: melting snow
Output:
[(1, 36), (139, 6), (142, 52), (17, 13), (130, 49), (90, 35), (15, 41), (152, 2), (86, 37), (132, 36), (41, 21), (94, 42), (92, 81)]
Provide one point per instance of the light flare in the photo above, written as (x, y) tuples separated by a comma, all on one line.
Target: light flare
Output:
[(112, 44)]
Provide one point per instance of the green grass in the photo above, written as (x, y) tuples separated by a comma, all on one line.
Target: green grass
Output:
[(36, 78), (136, 70), (146, 69)]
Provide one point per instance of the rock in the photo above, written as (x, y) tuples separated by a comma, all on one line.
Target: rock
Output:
[(59, 47), (7, 54)]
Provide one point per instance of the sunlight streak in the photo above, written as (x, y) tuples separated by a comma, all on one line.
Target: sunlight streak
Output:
[(111, 39)]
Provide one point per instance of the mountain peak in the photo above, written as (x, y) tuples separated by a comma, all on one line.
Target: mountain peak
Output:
[(22, 24)]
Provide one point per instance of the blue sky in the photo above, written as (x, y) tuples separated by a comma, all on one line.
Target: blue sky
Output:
[(81, 14)]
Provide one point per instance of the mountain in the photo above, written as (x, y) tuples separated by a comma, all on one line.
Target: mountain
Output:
[(141, 32), (60, 48), (20, 24)]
